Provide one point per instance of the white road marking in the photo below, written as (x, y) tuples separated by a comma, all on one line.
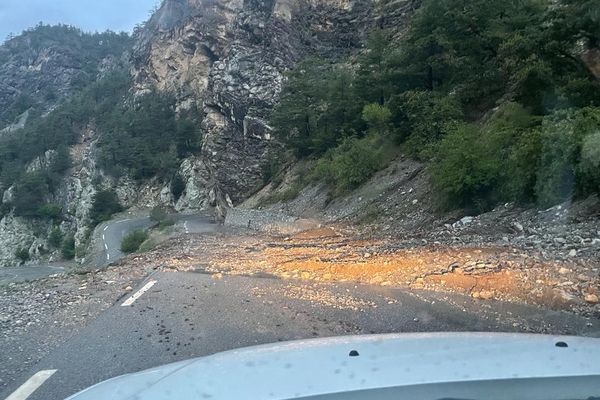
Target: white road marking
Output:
[(106, 246), (105, 228), (107, 257), (186, 227), (103, 237), (32, 384), (138, 294)]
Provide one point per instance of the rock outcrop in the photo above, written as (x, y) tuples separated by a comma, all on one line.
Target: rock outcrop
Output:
[(228, 58)]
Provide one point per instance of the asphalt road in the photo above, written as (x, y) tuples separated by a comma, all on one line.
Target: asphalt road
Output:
[(29, 272), (186, 315), (112, 233)]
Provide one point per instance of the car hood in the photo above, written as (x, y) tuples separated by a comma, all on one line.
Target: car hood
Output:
[(317, 367)]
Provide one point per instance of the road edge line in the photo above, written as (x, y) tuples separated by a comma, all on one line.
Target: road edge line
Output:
[(31, 385), (139, 293)]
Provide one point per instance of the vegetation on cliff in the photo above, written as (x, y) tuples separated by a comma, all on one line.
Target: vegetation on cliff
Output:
[(493, 95)]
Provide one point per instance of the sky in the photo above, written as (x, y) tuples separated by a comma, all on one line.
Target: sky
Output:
[(89, 15)]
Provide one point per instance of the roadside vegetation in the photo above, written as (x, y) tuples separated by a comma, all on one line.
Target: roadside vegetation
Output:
[(132, 242), (160, 216), (104, 205), (494, 96)]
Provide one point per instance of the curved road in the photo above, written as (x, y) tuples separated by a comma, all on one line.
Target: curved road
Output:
[(111, 235), (113, 232)]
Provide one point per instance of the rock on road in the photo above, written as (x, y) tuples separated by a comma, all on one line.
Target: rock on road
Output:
[(180, 315)]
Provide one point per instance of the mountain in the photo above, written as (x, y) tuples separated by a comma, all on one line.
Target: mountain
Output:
[(201, 75), (212, 101)]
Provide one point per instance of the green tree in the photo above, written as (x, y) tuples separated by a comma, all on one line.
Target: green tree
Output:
[(377, 118), (30, 195), (55, 237), (68, 248), (104, 204), (178, 186)]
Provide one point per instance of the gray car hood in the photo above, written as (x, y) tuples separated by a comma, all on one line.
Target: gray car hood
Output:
[(319, 367)]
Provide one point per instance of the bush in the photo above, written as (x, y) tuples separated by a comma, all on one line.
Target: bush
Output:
[(68, 248), (350, 164), (589, 167), (463, 172), (177, 186), (377, 118), (158, 214), (165, 224), (569, 154), (420, 118), (29, 195), (132, 242), (55, 238), (104, 205), (22, 254), (50, 211)]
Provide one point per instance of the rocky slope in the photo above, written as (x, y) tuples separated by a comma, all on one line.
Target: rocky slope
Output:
[(46, 63), (225, 57), (228, 57)]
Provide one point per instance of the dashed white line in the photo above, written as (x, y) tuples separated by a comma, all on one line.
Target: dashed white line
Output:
[(103, 237), (185, 226), (107, 257), (32, 384), (105, 228), (138, 294), (106, 246)]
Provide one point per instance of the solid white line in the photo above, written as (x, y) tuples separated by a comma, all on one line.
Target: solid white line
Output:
[(32, 384), (138, 294)]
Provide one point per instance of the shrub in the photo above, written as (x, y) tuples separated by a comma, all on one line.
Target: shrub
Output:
[(68, 248), (420, 118), (377, 118), (50, 211), (104, 205), (589, 167), (166, 223), (350, 164), (55, 238), (158, 214), (567, 156), (463, 171), (132, 242), (22, 254), (30, 192), (177, 186)]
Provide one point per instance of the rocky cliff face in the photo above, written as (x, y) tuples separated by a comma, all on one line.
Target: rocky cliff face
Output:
[(47, 62), (228, 57)]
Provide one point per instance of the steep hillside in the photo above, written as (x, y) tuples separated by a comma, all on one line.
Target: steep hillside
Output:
[(186, 126), (228, 58), (47, 63)]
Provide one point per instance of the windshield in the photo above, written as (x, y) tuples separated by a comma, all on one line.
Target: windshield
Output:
[(183, 178)]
